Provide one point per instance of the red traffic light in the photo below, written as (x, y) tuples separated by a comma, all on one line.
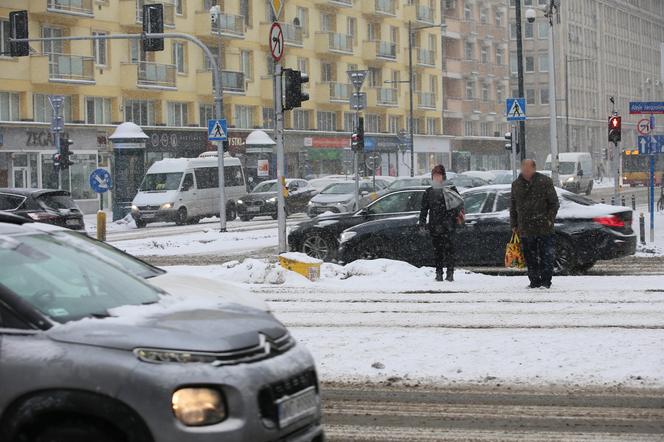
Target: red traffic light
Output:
[(615, 128), (615, 122)]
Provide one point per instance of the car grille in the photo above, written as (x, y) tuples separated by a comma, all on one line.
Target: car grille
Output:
[(266, 348), (146, 208), (255, 203), (322, 209), (270, 394)]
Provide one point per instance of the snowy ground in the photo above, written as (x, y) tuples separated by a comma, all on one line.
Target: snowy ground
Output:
[(650, 249), (385, 321)]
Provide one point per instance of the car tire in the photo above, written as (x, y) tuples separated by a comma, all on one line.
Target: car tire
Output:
[(565, 259), (140, 223), (245, 218), (583, 268), (231, 212), (319, 245), (194, 220), (589, 190), (275, 216), (182, 216), (77, 430)]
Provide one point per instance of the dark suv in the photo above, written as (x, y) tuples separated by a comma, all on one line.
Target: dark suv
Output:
[(44, 205)]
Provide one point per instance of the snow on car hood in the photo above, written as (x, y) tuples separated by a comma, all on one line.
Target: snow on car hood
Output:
[(260, 196), (192, 324), (155, 198), (323, 198)]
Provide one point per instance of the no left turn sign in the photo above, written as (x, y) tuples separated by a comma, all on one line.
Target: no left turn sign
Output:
[(276, 41)]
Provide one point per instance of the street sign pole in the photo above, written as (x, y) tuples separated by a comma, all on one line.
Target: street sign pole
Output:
[(653, 153), (276, 48), (357, 80), (617, 165), (56, 126)]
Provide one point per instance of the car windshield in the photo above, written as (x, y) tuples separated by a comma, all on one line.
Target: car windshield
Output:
[(339, 189), (66, 283), (266, 186), (157, 182), (567, 168), (56, 201), (503, 179), (410, 182), (108, 253), (578, 199)]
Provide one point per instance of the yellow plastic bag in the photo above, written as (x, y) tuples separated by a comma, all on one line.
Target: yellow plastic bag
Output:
[(514, 253)]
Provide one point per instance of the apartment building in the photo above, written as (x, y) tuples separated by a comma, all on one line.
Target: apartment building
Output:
[(476, 81), (603, 49)]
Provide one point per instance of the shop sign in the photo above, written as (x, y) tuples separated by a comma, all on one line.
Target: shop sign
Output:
[(327, 142)]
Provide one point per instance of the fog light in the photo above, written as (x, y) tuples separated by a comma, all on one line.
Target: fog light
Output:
[(197, 407)]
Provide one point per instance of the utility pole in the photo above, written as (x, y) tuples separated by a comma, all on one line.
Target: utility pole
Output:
[(522, 92), (215, 16), (357, 103), (553, 120), (411, 118), (57, 126)]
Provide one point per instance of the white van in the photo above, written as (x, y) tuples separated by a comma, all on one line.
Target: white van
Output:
[(185, 190), (575, 171)]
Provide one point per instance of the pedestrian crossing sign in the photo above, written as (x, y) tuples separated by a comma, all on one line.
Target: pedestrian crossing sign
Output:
[(217, 130), (516, 109)]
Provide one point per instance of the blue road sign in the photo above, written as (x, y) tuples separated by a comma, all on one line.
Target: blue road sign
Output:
[(369, 144), (100, 181), (651, 144), (515, 109), (646, 107), (217, 130)]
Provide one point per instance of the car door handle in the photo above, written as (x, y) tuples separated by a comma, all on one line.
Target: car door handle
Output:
[(471, 223)]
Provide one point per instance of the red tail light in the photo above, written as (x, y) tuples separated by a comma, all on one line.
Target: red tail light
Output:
[(41, 216), (610, 221)]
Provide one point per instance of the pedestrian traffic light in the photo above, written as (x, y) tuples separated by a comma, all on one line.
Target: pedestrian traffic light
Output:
[(605, 153), (65, 153), (224, 144), (615, 128), (18, 29), (293, 95), (357, 139), (57, 161), (508, 141), (153, 23)]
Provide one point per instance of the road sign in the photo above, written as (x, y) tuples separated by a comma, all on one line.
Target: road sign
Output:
[(369, 144), (217, 130), (515, 109), (646, 107), (100, 181), (358, 101), (373, 161), (357, 78), (651, 144), (643, 127), (277, 6), (276, 41)]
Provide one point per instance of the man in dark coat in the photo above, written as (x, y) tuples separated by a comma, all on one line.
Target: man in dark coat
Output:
[(444, 208), (532, 215)]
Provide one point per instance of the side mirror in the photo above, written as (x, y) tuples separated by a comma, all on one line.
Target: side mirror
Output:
[(184, 188), (364, 193), (364, 212)]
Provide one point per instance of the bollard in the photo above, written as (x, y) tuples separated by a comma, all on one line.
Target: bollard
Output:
[(101, 225), (603, 201), (613, 200), (642, 228), (633, 202), (622, 201)]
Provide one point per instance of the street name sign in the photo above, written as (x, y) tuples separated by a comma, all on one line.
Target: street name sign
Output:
[(646, 107)]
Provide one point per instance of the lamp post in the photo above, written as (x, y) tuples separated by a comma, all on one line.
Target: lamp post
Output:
[(569, 60)]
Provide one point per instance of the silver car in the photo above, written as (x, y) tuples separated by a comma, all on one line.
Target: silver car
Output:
[(89, 352), (340, 197)]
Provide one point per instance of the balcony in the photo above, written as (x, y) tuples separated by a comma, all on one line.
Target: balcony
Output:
[(380, 50), (338, 3), (71, 68), (426, 100), (126, 16), (382, 96), (228, 26), (379, 7), (334, 92), (155, 75), (419, 13), (233, 82), (425, 57), (333, 42), (293, 35), (74, 7)]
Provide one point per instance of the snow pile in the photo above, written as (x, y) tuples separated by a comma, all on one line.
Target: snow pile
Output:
[(383, 269), (301, 257), (121, 225), (253, 271)]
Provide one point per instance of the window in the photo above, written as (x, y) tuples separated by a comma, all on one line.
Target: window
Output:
[(270, 64), (484, 54), (500, 94), (207, 177), (4, 38), (327, 121), (43, 112), (432, 126), (9, 106), (178, 57), (468, 50), (140, 112), (530, 96), (485, 129), (470, 89), (326, 72), (207, 64), (528, 30), (512, 31), (500, 54), (301, 119), (303, 65), (10, 202), (351, 28), (268, 118), (233, 176), (99, 50), (326, 22), (187, 182), (398, 202), (468, 10), (503, 202), (244, 117), (179, 7), (373, 123), (349, 121), (484, 15), (543, 30), (499, 18), (544, 96), (469, 128), (97, 110), (205, 113), (513, 63), (177, 114), (485, 92), (302, 15), (530, 64), (373, 31), (246, 64), (394, 124)]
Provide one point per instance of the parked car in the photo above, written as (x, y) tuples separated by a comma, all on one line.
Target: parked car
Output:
[(319, 237), (486, 175), (340, 197), (575, 171), (173, 283), (322, 182), (45, 205), (404, 182), (463, 182), (89, 352), (185, 190), (586, 232), (503, 177), (262, 201)]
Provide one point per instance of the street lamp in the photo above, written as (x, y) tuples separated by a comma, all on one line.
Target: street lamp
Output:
[(411, 119)]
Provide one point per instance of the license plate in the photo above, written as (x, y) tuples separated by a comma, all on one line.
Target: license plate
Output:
[(147, 215), (72, 222), (253, 209), (291, 409)]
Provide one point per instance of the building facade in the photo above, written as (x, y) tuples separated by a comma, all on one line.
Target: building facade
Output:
[(603, 49)]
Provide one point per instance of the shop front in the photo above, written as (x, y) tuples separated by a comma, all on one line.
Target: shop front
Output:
[(175, 143)]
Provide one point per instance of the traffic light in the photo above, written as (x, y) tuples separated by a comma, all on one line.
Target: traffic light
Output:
[(18, 28), (615, 128), (293, 95), (357, 139), (508, 141), (153, 23), (57, 161), (225, 146), (605, 153), (65, 153)]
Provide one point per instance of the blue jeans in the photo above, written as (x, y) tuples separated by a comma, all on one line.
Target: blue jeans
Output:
[(540, 254)]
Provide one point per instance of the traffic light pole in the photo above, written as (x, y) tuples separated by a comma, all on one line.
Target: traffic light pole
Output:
[(279, 135), (521, 86)]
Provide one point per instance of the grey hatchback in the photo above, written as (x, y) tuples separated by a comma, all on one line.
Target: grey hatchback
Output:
[(90, 353)]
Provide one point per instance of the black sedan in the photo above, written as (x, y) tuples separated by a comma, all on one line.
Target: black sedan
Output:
[(44, 205), (586, 232), (262, 201), (319, 237)]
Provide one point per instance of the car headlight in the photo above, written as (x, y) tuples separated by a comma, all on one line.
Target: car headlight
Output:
[(197, 407), (347, 236), (166, 206), (134, 208), (240, 202), (570, 179), (272, 200), (310, 203)]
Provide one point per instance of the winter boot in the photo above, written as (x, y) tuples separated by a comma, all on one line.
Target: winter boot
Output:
[(439, 275)]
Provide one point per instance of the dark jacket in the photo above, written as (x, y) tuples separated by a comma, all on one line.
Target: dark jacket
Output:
[(442, 220), (534, 205)]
